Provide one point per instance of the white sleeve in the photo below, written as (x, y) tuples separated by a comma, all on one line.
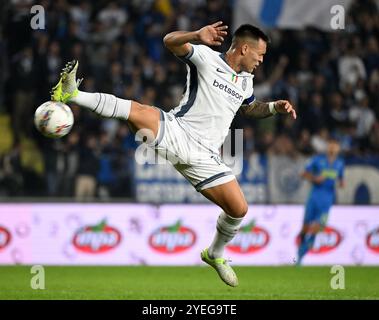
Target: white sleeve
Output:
[(197, 55)]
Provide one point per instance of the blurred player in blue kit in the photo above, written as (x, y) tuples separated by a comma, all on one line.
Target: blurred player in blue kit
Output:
[(323, 172)]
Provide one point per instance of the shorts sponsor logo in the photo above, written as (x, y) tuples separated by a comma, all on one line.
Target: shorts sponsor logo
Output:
[(372, 240), (172, 239), (99, 238), (249, 239), (5, 237)]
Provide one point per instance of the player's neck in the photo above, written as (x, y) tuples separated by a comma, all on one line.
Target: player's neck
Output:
[(331, 158), (231, 61)]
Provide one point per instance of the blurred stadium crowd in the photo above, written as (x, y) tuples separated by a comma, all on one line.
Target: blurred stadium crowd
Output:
[(331, 78)]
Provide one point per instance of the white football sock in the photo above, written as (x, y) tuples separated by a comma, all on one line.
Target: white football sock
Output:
[(227, 227), (104, 104)]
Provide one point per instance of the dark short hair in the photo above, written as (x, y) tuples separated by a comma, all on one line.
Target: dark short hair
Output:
[(333, 139), (250, 31)]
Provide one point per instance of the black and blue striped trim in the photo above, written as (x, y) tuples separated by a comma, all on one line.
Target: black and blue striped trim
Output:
[(192, 90), (222, 56), (211, 179), (162, 129), (187, 56), (249, 100)]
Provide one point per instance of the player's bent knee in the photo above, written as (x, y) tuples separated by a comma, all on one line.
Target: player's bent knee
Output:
[(315, 228), (144, 117), (305, 228), (138, 111), (244, 209), (238, 210)]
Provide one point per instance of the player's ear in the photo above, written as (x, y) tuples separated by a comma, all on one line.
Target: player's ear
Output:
[(244, 49)]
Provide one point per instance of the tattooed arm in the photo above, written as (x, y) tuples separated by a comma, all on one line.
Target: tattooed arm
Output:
[(259, 109)]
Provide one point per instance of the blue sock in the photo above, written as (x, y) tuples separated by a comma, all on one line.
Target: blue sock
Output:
[(302, 250), (306, 243), (310, 241)]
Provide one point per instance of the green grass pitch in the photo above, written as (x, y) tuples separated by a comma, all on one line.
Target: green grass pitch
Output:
[(187, 283)]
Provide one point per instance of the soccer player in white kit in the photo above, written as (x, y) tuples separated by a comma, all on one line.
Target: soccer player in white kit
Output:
[(190, 136)]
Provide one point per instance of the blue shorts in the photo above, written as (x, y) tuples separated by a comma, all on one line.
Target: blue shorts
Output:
[(316, 211)]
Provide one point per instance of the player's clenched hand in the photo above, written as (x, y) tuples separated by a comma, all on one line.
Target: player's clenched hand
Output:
[(283, 106), (318, 179), (213, 34)]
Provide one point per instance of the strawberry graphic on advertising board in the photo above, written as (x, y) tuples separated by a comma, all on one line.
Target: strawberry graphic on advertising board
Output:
[(98, 238), (249, 239), (326, 240), (372, 240), (172, 239), (5, 237)]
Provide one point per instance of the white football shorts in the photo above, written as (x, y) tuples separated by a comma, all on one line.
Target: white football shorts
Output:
[(201, 166)]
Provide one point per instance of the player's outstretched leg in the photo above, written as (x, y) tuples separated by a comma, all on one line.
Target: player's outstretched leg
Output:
[(230, 198), (307, 239), (303, 246), (107, 105), (67, 86)]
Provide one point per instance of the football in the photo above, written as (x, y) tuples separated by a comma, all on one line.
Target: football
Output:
[(53, 119)]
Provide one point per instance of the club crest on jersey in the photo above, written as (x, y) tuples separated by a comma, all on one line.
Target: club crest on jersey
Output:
[(244, 84)]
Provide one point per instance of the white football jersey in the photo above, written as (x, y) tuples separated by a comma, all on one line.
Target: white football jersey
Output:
[(214, 93)]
